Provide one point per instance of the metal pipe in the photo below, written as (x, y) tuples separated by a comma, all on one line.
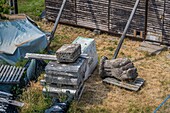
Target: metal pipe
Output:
[(57, 20), (146, 18), (125, 30)]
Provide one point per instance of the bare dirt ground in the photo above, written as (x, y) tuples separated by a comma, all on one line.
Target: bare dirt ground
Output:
[(103, 98)]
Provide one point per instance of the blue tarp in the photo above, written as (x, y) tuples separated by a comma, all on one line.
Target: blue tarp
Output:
[(18, 37)]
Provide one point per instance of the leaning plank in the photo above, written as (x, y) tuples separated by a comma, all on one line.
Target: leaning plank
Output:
[(134, 86)]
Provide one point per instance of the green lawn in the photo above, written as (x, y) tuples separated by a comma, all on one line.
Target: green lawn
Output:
[(33, 8)]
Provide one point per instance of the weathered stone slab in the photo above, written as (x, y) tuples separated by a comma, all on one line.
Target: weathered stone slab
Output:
[(75, 69), (55, 91), (63, 86), (88, 46), (68, 53), (152, 49), (66, 80)]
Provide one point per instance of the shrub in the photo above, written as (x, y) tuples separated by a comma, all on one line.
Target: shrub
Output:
[(4, 7)]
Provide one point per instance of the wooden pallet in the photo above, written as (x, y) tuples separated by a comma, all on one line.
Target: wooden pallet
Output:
[(134, 86), (10, 74)]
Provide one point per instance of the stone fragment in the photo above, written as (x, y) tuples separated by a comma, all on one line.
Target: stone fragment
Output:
[(121, 68)]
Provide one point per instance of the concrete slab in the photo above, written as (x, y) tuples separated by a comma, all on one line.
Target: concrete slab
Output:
[(151, 48), (70, 69)]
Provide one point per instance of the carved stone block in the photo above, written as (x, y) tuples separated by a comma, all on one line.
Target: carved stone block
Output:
[(68, 53)]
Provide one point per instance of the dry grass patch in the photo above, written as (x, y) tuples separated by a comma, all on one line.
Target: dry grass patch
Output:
[(103, 98)]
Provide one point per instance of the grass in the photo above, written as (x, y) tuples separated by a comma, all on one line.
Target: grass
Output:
[(98, 97), (33, 8), (35, 101)]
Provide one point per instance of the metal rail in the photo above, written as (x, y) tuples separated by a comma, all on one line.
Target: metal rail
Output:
[(126, 28)]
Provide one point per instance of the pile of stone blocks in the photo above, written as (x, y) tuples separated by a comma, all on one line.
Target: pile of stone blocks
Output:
[(71, 69)]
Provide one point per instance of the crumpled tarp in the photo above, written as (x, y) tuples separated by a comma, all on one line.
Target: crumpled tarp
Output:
[(18, 37)]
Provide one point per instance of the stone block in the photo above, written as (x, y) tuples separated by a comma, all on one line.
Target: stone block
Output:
[(76, 69), (68, 53), (66, 80), (54, 91), (88, 46)]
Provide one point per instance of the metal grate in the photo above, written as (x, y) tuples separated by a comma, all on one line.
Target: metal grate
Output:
[(10, 74)]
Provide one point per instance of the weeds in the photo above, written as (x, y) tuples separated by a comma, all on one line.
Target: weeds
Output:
[(35, 101)]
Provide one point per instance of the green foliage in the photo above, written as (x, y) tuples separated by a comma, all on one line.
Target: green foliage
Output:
[(21, 63), (110, 48), (3, 62), (4, 7)]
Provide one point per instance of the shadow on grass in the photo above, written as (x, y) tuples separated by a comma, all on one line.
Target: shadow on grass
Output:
[(93, 95)]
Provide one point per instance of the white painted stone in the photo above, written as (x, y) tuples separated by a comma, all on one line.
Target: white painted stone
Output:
[(88, 46)]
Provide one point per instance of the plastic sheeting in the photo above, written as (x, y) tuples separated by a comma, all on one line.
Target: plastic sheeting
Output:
[(18, 37)]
